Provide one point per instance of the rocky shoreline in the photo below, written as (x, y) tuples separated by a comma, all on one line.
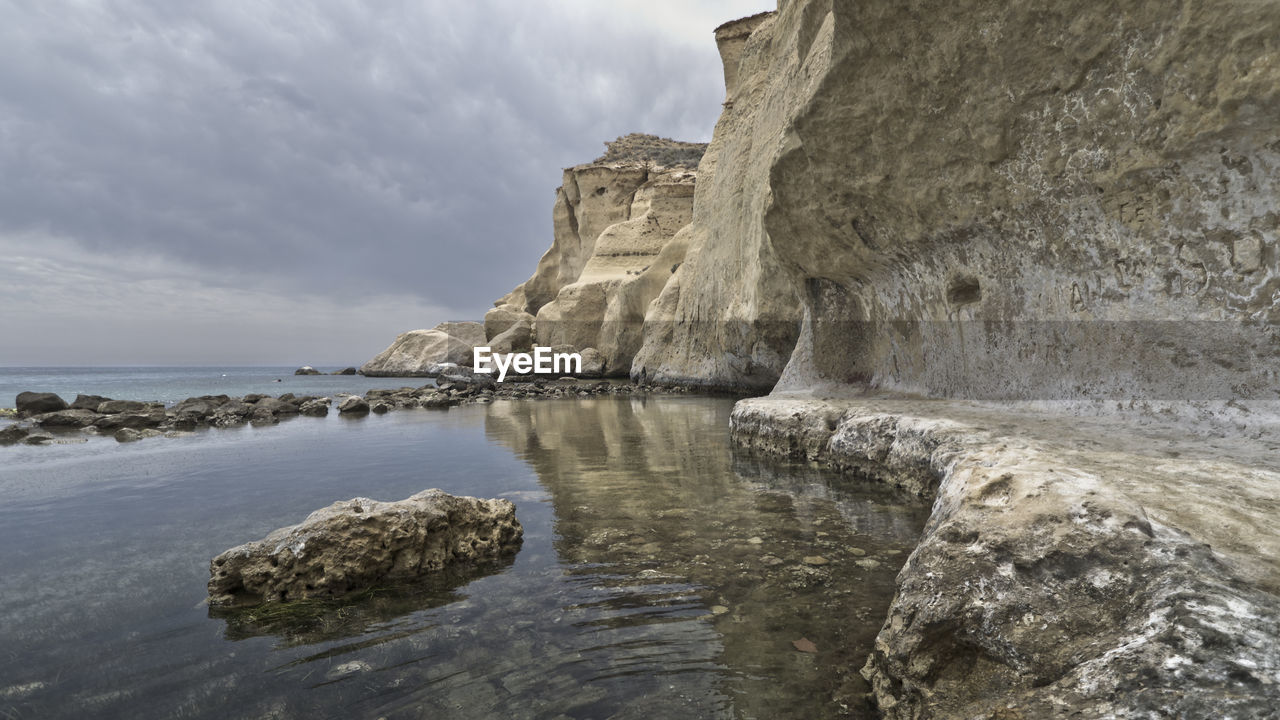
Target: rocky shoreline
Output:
[(45, 418), (1069, 568)]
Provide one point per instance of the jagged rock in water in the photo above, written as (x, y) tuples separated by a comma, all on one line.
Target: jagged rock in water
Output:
[(420, 353), (306, 370), (358, 543)]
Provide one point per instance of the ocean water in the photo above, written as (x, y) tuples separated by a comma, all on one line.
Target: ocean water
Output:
[(663, 574), (172, 384)]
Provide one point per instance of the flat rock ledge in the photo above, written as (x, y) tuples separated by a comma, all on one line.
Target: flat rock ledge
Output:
[(355, 544), (1065, 571)]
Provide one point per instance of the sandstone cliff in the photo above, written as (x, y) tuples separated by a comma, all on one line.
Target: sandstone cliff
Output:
[(613, 219)]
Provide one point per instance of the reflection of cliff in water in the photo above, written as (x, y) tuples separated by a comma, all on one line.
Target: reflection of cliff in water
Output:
[(648, 491)]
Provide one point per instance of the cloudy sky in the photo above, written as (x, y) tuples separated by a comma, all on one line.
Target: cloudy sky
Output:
[(290, 182)]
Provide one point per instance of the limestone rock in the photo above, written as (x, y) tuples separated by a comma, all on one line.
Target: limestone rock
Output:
[(11, 434), (593, 364), (355, 544), (417, 353), (1062, 572), (353, 404), (502, 318), (113, 407), (148, 417), (88, 402), (318, 407), (306, 370), (345, 371), (125, 435), (729, 314), (71, 418), (518, 337), (33, 403)]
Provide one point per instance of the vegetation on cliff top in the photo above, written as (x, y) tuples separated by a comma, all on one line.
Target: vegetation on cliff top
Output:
[(638, 147)]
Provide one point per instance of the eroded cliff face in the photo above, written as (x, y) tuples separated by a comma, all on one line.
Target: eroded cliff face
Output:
[(613, 222), (1036, 200), (727, 317)]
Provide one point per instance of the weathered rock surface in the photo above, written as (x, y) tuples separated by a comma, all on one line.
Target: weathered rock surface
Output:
[(1068, 569), (355, 544), (113, 407), (419, 353), (88, 402), (71, 418), (306, 370), (345, 371), (12, 434), (353, 404), (612, 220), (33, 403), (728, 315)]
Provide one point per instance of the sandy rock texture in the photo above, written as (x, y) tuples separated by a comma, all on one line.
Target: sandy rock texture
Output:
[(613, 220), (728, 316), (357, 543), (1068, 569), (1032, 200), (420, 353)]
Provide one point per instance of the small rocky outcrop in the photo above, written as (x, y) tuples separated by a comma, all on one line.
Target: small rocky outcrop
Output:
[(358, 543), (344, 371), (307, 370), (421, 353), (34, 403), (88, 402), (353, 405), (13, 434)]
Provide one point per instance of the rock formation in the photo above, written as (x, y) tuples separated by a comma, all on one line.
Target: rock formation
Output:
[(613, 220), (1054, 227), (1055, 577), (420, 353), (358, 543)]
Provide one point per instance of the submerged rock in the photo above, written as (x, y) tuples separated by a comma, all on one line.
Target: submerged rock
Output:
[(13, 434), (354, 544), (130, 435)]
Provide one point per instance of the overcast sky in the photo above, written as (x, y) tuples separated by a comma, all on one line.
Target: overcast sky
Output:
[(295, 182)]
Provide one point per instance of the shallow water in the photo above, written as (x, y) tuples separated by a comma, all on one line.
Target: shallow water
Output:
[(662, 575)]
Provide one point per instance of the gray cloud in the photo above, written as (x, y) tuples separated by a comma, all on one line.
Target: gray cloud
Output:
[(348, 151)]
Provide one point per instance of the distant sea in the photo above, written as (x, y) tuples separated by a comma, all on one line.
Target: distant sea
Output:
[(172, 384)]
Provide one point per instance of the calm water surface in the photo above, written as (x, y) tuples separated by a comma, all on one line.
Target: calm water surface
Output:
[(662, 575), (171, 384)]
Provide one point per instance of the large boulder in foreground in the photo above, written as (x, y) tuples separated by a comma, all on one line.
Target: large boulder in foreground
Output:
[(355, 544), (33, 403), (420, 353)]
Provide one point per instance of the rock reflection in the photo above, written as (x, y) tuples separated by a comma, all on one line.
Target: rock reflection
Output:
[(653, 506), (386, 609)]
